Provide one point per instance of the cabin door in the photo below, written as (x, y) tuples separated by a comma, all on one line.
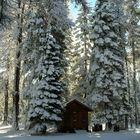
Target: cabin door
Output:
[(79, 120), (83, 120)]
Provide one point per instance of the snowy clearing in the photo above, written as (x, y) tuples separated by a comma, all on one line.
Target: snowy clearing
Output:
[(7, 134)]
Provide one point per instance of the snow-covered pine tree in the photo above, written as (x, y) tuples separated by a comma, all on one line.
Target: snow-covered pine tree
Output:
[(106, 76), (81, 52), (46, 67), (60, 23), (54, 13), (71, 57), (45, 104)]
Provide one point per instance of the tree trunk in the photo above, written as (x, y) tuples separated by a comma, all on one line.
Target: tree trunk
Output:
[(5, 121), (6, 95), (1, 10), (134, 81), (127, 75), (16, 93), (17, 68), (126, 122), (109, 126), (128, 88)]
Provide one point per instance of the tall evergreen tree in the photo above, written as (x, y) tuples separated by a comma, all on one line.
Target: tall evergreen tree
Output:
[(107, 79), (81, 52), (46, 63), (44, 104)]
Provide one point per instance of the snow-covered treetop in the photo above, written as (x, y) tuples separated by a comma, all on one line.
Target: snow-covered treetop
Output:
[(54, 12), (83, 4), (57, 13)]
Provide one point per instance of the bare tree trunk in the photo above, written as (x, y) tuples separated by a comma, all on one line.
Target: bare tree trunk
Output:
[(5, 121), (85, 52), (6, 95), (16, 93), (127, 75), (128, 88), (17, 69), (134, 81), (1, 10), (85, 63)]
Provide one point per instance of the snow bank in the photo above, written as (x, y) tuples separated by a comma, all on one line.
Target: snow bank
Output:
[(7, 134)]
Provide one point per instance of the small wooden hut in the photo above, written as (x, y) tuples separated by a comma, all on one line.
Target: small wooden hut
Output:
[(75, 116)]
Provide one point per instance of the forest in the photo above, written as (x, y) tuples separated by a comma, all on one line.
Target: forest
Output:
[(48, 59)]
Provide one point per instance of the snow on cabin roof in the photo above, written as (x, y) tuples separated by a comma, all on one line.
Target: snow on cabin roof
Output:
[(80, 103)]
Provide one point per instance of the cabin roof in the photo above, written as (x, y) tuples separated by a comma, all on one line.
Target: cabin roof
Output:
[(79, 103)]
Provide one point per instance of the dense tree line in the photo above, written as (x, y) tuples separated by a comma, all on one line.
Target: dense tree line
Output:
[(47, 59)]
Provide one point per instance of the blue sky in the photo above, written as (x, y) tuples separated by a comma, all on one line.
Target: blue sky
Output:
[(74, 9)]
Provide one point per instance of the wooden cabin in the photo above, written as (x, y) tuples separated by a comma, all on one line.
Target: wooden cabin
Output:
[(75, 116)]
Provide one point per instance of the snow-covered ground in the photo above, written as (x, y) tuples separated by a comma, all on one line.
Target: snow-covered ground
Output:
[(7, 134)]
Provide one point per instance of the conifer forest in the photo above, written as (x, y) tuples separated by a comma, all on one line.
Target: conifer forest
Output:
[(67, 65)]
